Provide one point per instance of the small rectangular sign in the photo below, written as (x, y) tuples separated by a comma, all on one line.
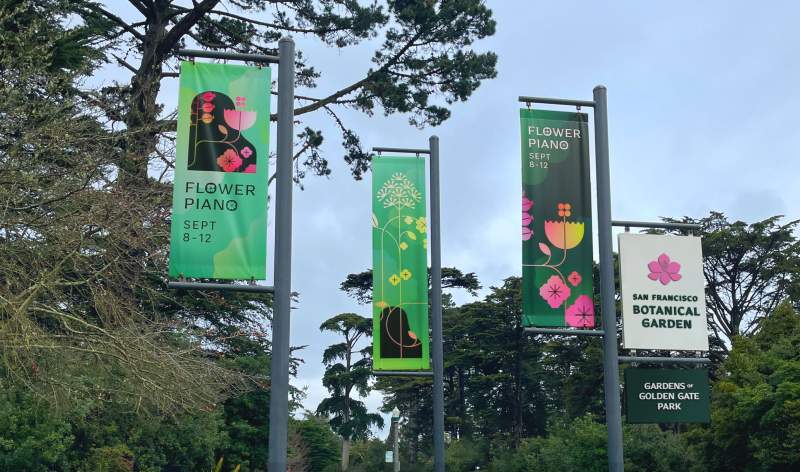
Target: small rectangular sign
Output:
[(219, 195), (667, 395), (400, 264), (663, 292), (556, 220), (389, 457)]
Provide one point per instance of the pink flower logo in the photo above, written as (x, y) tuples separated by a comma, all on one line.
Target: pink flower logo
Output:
[(574, 278), (554, 291), (526, 233), (581, 313), (251, 169), (229, 160), (246, 152), (209, 96), (664, 270)]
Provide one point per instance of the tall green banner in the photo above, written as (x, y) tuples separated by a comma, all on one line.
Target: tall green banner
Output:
[(219, 200), (399, 265), (556, 220)]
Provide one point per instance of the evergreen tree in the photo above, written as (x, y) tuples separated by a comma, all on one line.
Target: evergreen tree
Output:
[(348, 416)]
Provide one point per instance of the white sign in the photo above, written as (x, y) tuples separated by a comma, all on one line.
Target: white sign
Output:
[(663, 292), (389, 457)]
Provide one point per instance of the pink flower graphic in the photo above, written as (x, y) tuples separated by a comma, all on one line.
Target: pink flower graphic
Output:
[(238, 119), (526, 233), (251, 169), (208, 107), (229, 160), (209, 96), (526, 219), (581, 313), (574, 278), (246, 152), (527, 203), (664, 270), (554, 291)]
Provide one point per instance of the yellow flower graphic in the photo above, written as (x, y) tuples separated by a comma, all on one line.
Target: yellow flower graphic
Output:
[(422, 226), (404, 245), (408, 220), (381, 304), (405, 274), (394, 279)]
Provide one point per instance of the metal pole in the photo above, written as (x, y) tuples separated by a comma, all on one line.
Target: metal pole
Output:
[(436, 312), (279, 373), (396, 447), (608, 300)]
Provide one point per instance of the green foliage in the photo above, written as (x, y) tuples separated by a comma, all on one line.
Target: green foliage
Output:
[(110, 459), (368, 456), (580, 446), (755, 416), (322, 445), (31, 438), (465, 454)]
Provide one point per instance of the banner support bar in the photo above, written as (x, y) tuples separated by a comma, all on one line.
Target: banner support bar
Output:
[(401, 150), (402, 373), (665, 360), (566, 332), (557, 101), (222, 287), (282, 305), (231, 56), (656, 224)]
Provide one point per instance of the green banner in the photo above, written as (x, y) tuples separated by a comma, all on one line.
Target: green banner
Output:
[(667, 396), (399, 265), (556, 220), (219, 200)]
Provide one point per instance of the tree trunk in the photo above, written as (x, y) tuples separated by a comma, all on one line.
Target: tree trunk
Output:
[(345, 454)]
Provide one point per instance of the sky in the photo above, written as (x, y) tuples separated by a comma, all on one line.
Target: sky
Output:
[(701, 97)]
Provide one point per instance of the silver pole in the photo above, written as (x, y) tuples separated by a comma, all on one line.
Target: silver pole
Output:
[(607, 307), (279, 374), (436, 312)]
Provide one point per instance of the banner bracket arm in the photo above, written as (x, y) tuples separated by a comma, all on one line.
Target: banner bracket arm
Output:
[(555, 101), (566, 332)]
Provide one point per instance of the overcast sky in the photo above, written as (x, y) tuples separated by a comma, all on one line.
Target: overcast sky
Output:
[(701, 96)]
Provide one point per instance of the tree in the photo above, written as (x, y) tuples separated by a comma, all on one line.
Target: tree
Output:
[(348, 416), (424, 53), (749, 269), (320, 445), (755, 422), (411, 395)]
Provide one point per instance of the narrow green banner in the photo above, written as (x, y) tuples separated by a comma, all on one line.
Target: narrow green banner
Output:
[(399, 265), (667, 396), (219, 200), (556, 220)]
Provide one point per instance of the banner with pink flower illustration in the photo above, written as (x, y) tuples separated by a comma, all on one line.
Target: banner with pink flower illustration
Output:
[(556, 220), (219, 199), (399, 264)]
